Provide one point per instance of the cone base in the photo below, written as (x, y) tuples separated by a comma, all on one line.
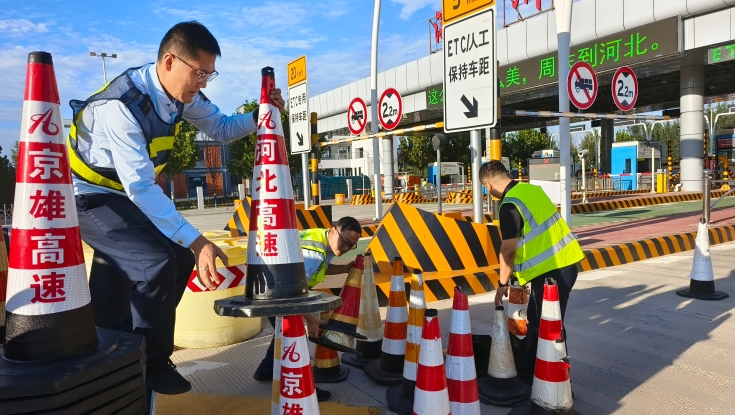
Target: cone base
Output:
[(702, 290), (369, 349), (356, 361), (380, 376), (397, 402), (332, 345), (539, 410), (503, 392), (241, 306), (350, 330), (339, 375)]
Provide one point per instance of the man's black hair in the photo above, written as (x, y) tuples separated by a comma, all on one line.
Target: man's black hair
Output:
[(348, 223), (493, 170), (186, 39)]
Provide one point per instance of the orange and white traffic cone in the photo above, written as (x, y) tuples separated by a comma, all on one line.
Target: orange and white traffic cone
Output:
[(276, 385), (552, 391), (702, 277), (431, 396), (298, 392), (502, 386), (3, 285), (341, 329), (388, 370), (49, 313), (515, 309), (400, 397), (327, 368), (369, 323), (461, 374)]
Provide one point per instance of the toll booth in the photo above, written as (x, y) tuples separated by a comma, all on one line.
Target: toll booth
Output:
[(725, 140), (544, 171), (452, 172), (631, 163)]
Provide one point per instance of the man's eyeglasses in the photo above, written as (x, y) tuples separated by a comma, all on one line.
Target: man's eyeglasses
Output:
[(208, 76), (346, 244)]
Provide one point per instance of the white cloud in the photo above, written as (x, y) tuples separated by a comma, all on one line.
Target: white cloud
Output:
[(184, 14), (410, 6), (272, 18), (21, 27)]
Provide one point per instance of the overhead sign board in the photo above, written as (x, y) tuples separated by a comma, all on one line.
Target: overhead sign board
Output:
[(298, 107), (625, 88), (455, 9), (470, 81), (357, 116), (582, 85), (722, 53), (390, 109)]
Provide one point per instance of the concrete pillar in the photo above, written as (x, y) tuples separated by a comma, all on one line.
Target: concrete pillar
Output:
[(388, 166), (200, 198), (692, 120), (607, 136), (241, 191), (349, 189)]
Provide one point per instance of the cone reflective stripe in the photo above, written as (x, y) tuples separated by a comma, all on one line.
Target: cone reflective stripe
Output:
[(431, 396), (702, 277), (327, 368), (297, 389), (461, 377), (516, 310), (276, 385), (369, 323), (552, 391), (276, 282), (388, 370), (49, 314)]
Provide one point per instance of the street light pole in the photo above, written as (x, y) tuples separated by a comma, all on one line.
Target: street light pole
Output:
[(103, 55), (374, 111), (563, 36)]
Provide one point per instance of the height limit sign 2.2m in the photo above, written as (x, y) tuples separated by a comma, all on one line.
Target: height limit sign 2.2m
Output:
[(470, 79)]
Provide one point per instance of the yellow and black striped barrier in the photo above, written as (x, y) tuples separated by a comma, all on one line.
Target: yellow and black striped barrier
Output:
[(314, 217), (409, 198), (638, 202), (464, 196), (603, 193), (362, 200)]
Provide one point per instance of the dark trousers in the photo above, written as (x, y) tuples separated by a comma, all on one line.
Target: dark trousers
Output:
[(135, 266), (268, 359), (565, 279)]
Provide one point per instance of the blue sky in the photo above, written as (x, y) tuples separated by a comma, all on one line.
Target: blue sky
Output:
[(334, 35)]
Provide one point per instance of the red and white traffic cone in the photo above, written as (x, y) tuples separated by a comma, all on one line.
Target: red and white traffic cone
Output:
[(431, 396), (552, 391), (702, 277), (369, 323), (275, 282), (276, 385), (49, 314), (400, 397), (3, 285), (461, 375), (388, 370), (298, 392)]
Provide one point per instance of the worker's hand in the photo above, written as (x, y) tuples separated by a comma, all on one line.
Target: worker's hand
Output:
[(205, 253), (278, 99), (312, 325), (499, 294)]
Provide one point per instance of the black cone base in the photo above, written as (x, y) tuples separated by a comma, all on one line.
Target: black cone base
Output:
[(380, 376), (332, 345), (702, 290), (397, 402), (503, 392), (108, 379), (241, 306), (358, 361), (332, 375), (538, 410)]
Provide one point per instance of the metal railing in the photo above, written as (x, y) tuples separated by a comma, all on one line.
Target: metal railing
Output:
[(6, 215)]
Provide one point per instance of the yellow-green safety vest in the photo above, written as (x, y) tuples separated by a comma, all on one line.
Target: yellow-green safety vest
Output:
[(316, 240), (159, 135), (546, 242)]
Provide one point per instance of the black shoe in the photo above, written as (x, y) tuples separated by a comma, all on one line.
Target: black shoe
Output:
[(164, 379), (322, 395), (264, 372)]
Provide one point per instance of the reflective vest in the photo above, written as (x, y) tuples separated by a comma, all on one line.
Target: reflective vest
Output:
[(316, 240), (546, 242), (159, 135)]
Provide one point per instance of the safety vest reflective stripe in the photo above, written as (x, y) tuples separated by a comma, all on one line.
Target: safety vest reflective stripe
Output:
[(547, 254), (82, 170), (315, 244), (316, 240)]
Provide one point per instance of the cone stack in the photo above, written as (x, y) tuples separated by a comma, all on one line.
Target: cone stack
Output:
[(461, 375), (298, 392), (369, 323), (327, 368), (431, 396), (276, 385)]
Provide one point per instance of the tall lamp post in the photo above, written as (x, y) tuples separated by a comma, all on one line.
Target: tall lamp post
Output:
[(563, 37), (103, 55)]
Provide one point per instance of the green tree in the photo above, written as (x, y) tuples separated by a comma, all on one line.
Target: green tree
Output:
[(589, 143), (7, 180), (184, 154), (14, 153), (520, 145), (415, 154)]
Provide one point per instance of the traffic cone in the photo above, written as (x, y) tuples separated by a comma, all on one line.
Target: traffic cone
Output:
[(388, 370), (276, 385), (341, 329), (516, 310), (276, 282), (326, 362), (400, 397), (3, 286), (49, 314), (461, 375), (502, 386), (297, 389), (369, 323), (552, 391), (431, 396), (702, 278)]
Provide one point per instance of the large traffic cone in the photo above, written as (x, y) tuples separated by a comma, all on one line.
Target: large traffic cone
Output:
[(388, 370), (298, 392), (502, 386), (341, 329), (552, 391), (276, 282), (431, 396), (702, 277), (461, 374), (400, 397), (369, 323), (3, 286), (276, 385), (326, 362)]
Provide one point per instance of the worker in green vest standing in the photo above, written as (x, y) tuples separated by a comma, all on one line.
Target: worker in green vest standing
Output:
[(537, 244)]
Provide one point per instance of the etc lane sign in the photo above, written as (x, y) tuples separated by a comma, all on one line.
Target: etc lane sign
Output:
[(455, 9), (470, 79), (298, 107)]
